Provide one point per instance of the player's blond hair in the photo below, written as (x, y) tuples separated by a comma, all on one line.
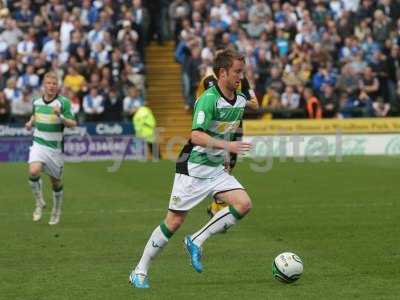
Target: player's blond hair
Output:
[(51, 74)]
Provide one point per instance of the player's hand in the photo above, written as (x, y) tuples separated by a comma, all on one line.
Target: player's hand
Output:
[(239, 147), (253, 103), (57, 110), (227, 167), (29, 125)]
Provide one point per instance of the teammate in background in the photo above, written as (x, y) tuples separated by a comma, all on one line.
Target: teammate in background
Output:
[(51, 113), (200, 169), (208, 81)]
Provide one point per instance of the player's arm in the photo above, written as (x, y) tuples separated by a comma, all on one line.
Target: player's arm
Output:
[(30, 123), (251, 98), (253, 103), (203, 139), (203, 115), (68, 122), (66, 115)]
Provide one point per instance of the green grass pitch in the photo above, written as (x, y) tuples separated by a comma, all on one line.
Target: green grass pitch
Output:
[(342, 219)]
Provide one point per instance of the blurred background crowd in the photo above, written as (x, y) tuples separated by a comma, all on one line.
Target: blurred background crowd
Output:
[(305, 59), (96, 47), (312, 59)]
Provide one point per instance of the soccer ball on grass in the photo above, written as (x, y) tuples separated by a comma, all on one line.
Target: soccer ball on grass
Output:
[(287, 267)]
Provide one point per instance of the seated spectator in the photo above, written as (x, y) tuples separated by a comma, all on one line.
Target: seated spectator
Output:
[(21, 107), (12, 34), (132, 102), (271, 100), (29, 79), (321, 78), (4, 109), (364, 105), (345, 106), (100, 55), (93, 105), (358, 64), (50, 45), (256, 26), (329, 101), (113, 106), (24, 15), (127, 32), (290, 99), (369, 83), (313, 105), (12, 92), (347, 81), (274, 81), (74, 81), (293, 76), (26, 47)]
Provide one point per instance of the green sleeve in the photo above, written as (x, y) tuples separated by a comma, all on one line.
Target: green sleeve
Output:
[(67, 109), (204, 111)]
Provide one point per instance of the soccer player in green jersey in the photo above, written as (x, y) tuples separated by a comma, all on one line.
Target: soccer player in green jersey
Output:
[(51, 113), (200, 170), (244, 88)]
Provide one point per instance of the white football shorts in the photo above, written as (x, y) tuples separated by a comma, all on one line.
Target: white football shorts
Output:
[(52, 160), (189, 191)]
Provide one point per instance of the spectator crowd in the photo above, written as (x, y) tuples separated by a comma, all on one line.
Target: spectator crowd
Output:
[(96, 48), (315, 58), (305, 58)]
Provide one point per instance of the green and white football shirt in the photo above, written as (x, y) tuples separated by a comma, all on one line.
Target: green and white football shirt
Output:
[(218, 117), (48, 126)]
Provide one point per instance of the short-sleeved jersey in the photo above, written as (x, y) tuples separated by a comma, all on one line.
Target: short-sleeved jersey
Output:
[(49, 127), (218, 117), (210, 81)]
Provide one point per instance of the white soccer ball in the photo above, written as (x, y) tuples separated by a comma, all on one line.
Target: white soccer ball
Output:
[(287, 267)]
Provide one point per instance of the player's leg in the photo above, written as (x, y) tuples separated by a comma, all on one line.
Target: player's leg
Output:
[(53, 164), (181, 201), (215, 206), (239, 205), (229, 190), (58, 194), (35, 183), (157, 241)]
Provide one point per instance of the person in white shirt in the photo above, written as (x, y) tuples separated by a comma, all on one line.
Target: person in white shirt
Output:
[(66, 28), (290, 99), (26, 47), (132, 102), (21, 107), (11, 91), (50, 47), (93, 105), (12, 35), (29, 79)]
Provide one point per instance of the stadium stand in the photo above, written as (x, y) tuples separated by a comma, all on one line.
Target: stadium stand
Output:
[(345, 53), (96, 47)]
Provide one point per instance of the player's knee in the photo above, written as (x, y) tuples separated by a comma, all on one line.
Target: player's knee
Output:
[(244, 206), (247, 206), (34, 171), (56, 185), (174, 221)]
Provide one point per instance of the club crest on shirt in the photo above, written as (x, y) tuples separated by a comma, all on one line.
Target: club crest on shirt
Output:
[(201, 116)]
